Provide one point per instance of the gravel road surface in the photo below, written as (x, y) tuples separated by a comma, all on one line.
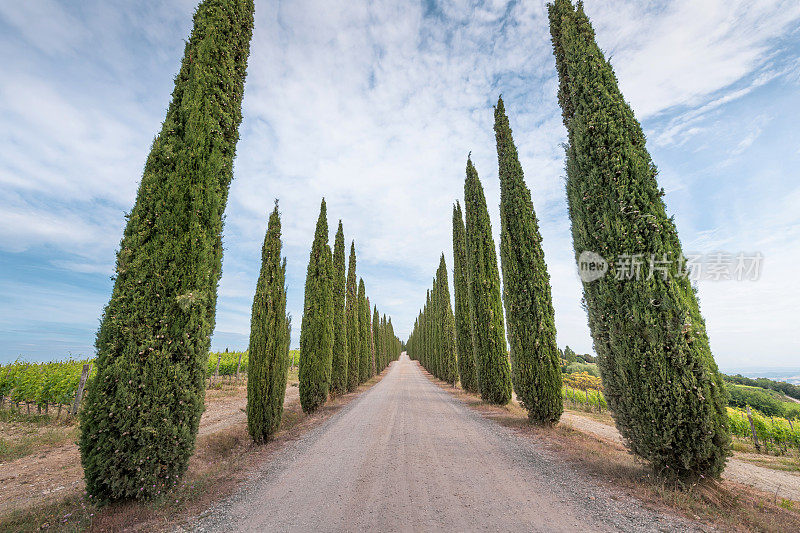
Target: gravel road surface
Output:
[(407, 456)]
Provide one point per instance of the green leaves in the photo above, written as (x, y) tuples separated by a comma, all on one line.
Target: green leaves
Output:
[(340, 345), (316, 333), (494, 372), (660, 377), (464, 319), (270, 331), (536, 373)]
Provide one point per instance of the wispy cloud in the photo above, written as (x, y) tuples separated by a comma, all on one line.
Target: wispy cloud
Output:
[(373, 105)]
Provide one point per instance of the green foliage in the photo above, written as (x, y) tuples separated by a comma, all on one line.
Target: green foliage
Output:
[(765, 401), (42, 384), (316, 332), (363, 334), (660, 378), (577, 367), (770, 430), (380, 359), (340, 351), (270, 331), (465, 343), (142, 411), (586, 399), (373, 363), (793, 391), (535, 369), (448, 368), (228, 362), (569, 355), (494, 371), (352, 323)]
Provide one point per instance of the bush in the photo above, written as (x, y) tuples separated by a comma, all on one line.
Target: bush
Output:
[(591, 369)]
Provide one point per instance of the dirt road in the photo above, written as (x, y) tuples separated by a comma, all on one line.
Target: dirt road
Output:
[(406, 456)]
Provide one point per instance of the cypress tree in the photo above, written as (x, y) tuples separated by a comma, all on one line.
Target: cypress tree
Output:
[(463, 313), (494, 371), (316, 332), (659, 375), (373, 365), (376, 341), (535, 369), (363, 331), (435, 334), (353, 328), (268, 355), (447, 342), (142, 411), (340, 352)]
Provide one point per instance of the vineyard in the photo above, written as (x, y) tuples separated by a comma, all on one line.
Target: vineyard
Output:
[(42, 385), (771, 434), (55, 384), (232, 362)]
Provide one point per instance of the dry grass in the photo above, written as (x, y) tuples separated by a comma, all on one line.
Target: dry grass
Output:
[(24, 434), (222, 460), (725, 505)]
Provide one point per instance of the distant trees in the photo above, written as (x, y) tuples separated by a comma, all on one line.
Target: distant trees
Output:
[(142, 410), (536, 371), (660, 378), (270, 328), (316, 334), (353, 328), (433, 340), (465, 342), (447, 340), (494, 377), (340, 352)]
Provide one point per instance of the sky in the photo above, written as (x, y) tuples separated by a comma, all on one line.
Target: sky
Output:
[(375, 105)]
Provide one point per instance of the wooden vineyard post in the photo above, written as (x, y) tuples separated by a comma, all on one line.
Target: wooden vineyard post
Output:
[(753, 429), (588, 404), (79, 395), (238, 367), (216, 372)]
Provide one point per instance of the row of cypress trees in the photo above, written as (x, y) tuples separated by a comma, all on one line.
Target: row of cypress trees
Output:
[(483, 363), (343, 343), (433, 339), (141, 413), (660, 377)]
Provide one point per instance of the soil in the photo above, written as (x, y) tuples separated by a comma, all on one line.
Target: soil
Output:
[(55, 472), (783, 484)]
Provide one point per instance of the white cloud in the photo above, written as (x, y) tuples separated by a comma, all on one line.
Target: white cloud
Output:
[(373, 105)]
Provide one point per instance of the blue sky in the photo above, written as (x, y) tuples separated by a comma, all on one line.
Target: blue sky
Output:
[(375, 105)]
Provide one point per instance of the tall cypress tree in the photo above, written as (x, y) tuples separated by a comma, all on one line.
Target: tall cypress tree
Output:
[(463, 313), (535, 369), (379, 364), (353, 328), (316, 332), (340, 352), (447, 342), (435, 333), (494, 372), (658, 372), (373, 365), (142, 411), (268, 355), (363, 333)]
